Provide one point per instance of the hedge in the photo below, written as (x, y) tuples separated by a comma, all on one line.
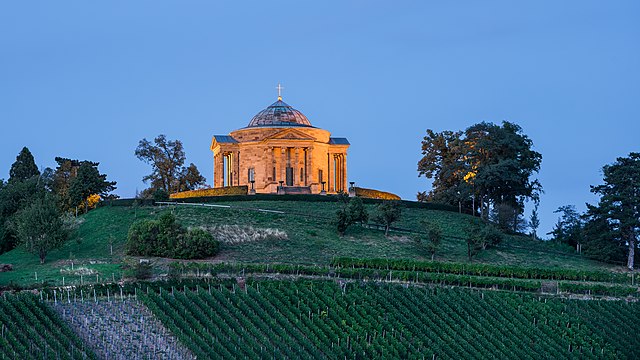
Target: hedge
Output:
[(375, 194), (484, 270), (221, 191)]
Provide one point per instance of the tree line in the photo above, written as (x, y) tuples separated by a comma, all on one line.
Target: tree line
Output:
[(37, 208), (490, 170)]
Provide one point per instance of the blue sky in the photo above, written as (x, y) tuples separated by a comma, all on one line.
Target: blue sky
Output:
[(88, 80)]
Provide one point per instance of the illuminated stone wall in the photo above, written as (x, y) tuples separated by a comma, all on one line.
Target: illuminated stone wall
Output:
[(306, 150)]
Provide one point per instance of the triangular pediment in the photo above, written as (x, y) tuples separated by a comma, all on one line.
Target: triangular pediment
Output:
[(290, 134)]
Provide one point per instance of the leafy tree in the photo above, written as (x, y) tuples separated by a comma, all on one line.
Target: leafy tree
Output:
[(190, 178), (167, 158), (15, 196), (486, 165), (87, 182), (480, 237), (357, 211), (40, 227), (343, 220), (432, 238), (388, 212), (534, 222), (568, 229), (24, 168), (620, 201), (352, 211)]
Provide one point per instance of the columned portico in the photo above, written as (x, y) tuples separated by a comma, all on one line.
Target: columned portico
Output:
[(279, 144)]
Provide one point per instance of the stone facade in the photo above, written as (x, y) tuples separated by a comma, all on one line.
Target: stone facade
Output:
[(280, 147)]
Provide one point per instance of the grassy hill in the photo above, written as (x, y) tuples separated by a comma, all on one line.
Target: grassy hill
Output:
[(96, 251), (285, 285)]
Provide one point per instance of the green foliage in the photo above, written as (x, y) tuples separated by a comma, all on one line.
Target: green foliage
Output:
[(167, 158), (352, 211), (142, 270), (568, 229), (534, 222), (490, 164), (487, 270), (89, 181), (480, 237), (160, 195), (432, 238), (40, 227), (15, 196), (31, 329), (24, 168), (357, 211), (388, 213), (165, 237), (314, 319), (620, 201), (196, 244)]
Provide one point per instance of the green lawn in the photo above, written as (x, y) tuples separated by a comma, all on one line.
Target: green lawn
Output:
[(312, 239)]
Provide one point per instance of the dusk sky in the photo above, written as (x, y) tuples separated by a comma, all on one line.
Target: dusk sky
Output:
[(88, 80)]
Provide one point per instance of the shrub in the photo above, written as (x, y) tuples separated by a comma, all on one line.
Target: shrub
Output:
[(196, 244), (142, 239), (167, 238), (160, 195)]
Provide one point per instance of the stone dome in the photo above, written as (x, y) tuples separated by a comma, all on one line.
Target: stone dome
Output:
[(279, 114)]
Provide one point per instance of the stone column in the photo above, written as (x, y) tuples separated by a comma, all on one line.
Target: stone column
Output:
[(283, 165), (344, 170), (296, 167), (329, 164), (309, 171)]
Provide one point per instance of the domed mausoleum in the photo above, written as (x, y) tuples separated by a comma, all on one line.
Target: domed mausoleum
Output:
[(280, 147)]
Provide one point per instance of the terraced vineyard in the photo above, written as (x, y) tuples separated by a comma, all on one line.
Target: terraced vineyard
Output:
[(323, 319), (32, 330)]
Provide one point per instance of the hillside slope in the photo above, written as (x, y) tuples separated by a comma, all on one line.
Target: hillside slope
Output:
[(96, 251)]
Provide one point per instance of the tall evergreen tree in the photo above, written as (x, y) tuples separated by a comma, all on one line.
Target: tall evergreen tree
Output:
[(24, 167), (620, 200), (89, 181)]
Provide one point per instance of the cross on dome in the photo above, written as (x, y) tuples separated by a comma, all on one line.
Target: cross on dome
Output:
[(279, 87)]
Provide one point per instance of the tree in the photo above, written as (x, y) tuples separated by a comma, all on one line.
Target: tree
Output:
[(388, 212), (15, 196), (480, 237), (601, 238), (432, 238), (190, 178), (357, 211), (352, 211), (620, 200), (87, 182), (534, 222), (167, 158), (24, 167), (40, 227), (568, 229), (486, 165)]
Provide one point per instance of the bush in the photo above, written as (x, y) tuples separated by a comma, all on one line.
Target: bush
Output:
[(160, 195), (196, 244), (222, 191), (167, 238)]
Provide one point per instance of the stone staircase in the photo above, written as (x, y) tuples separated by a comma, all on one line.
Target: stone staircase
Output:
[(297, 190)]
